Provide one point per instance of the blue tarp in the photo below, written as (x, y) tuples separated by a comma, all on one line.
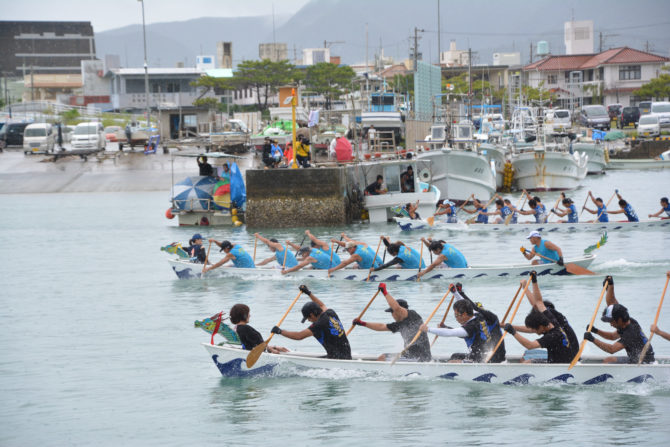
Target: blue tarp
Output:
[(238, 192)]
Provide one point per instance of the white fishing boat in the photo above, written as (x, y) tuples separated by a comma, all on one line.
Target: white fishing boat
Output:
[(637, 164), (185, 269), (548, 168), (596, 156), (230, 360), (407, 224), (456, 166), (495, 154)]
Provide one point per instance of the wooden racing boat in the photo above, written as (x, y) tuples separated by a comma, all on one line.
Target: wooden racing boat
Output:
[(231, 362), (185, 269), (407, 224)]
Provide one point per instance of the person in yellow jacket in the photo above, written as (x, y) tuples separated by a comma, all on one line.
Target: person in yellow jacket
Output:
[(302, 153)]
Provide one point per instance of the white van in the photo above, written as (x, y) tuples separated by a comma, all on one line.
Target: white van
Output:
[(39, 137), (661, 109), (88, 136)]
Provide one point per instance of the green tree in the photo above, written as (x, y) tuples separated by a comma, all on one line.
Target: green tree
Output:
[(265, 77), (208, 103), (538, 95), (329, 80), (658, 87)]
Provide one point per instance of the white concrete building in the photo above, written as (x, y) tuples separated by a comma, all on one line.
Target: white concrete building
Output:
[(578, 37), (454, 57), (274, 51), (312, 56)]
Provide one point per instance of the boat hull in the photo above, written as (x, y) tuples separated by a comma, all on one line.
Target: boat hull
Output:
[(496, 155), (407, 224), (596, 152), (231, 362), (185, 269), (458, 174), (541, 170), (635, 164)]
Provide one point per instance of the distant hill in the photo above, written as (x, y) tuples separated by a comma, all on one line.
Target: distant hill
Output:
[(487, 26)]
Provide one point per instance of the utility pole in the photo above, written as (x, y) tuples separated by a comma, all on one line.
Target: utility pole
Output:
[(439, 38), (531, 52), (600, 47), (146, 68), (32, 85), (469, 83), (416, 46)]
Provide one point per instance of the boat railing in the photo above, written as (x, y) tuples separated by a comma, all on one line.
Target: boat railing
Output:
[(196, 205)]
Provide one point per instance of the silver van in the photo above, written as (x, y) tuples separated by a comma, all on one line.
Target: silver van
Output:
[(38, 137)]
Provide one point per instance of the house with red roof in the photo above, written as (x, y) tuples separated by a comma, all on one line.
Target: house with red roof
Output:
[(579, 78)]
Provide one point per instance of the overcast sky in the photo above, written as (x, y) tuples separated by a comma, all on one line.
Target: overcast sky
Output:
[(109, 14)]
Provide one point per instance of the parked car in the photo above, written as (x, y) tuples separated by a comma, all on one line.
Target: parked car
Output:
[(115, 134), (614, 111), (88, 136), (648, 126), (39, 137), (594, 116), (662, 111), (645, 107), (11, 134), (629, 115), (559, 120)]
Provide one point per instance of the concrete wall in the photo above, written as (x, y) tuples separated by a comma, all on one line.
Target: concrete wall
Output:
[(644, 149), (297, 197)]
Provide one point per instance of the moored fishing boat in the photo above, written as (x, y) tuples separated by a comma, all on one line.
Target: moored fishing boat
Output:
[(596, 156), (637, 164), (231, 362), (407, 224), (185, 269), (543, 169)]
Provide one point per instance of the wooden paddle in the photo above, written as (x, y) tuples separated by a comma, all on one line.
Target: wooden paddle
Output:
[(363, 312), (255, 243), (584, 206), (444, 318), (473, 219), (606, 206), (255, 353), (418, 333), (523, 197), (510, 304), (570, 267), (330, 263), (420, 261), (555, 205), (206, 258), (588, 329), (658, 312), (283, 265), (373, 261), (511, 318)]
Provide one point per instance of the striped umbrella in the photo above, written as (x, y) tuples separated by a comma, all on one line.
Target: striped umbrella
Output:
[(194, 193)]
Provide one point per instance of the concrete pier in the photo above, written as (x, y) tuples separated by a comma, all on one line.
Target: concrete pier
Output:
[(297, 197)]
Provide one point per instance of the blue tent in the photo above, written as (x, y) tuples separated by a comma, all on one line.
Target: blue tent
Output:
[(238, 192)]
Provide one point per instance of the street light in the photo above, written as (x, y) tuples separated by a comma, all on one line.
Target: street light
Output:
[(146, 67)]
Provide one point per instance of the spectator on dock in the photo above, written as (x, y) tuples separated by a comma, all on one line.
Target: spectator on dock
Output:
[(303, 155), (60, 136), (372, 137), (407, 180), (206, 169), (267, 153), (275, 154), (288, 155), (376, 188)]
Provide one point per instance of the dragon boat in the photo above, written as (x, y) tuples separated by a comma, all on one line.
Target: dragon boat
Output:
[(407, 224), (231, 362), (185, 269)]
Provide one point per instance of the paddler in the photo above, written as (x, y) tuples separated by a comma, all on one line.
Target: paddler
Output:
[(570, 211), (283, 256), (600, 211), (480, 210), (234, 252), (665, 208), (474, 331), (407, 322), (446, 208), (447, 255), (515, 211), (543, 322), (249, 337), (359, 252), (406, 257), (319, 259), (628, 333), (196, 250), (411, 210), (502, 211), (326, 327), (626, 209), (544, 248), (537, 210), (324, 246)]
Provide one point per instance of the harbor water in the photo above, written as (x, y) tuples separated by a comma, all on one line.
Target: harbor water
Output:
[(99, 347)]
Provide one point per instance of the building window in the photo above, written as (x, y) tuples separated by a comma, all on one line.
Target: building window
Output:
[(552, 79), (628, 72)]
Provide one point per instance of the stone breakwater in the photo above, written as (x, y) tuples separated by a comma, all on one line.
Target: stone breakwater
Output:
[(297, 197)]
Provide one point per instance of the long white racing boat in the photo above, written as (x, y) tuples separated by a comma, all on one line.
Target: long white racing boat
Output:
[(407, 224), (231, 362), (185, 269)]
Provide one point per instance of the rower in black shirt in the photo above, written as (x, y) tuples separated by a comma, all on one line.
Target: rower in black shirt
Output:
[(554, 338), (407, 322), (628, 333), (249, 337), (326, 328)]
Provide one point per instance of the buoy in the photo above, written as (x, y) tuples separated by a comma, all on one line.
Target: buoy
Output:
[(235, 219), (168, 213), (233, 211), (238, 223)]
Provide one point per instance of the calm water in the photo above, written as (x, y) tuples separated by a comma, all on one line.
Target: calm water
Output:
[(98, 345)]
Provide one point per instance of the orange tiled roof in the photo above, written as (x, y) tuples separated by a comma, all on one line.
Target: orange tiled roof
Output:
[(615, 56)]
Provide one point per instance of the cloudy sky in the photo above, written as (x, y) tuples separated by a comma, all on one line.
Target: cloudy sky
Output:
[(109, 14)]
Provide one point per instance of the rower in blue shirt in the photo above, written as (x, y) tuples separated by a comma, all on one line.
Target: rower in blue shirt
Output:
[(570, 211), (406, 257), (282, 254), (446, 208), (325, 246), (600, 211), (544, 248), (515, 212), (502, 211), (235, 253), (480, 210), (537, 210), (359, 252), (447, 254), (665, 208), (626, 209)]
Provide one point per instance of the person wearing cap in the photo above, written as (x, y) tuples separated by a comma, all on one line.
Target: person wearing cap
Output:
[(406, 257), (359, 252), (474, 330), (561, 348), (235, 253), (319, 259), (407, 322), (625, 208), (196, 249), (283, 256), (480, 210), (628, 333), (665, 208), (376, 188), (326, 327), (545, 248), (502, 211), (249, 337), (600, 211), (570, 211), (447, 255), (446, 208)]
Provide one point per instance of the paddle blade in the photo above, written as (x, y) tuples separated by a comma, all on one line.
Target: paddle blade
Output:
[(578, 270), (431, 221), (578, 356), (255, 353)]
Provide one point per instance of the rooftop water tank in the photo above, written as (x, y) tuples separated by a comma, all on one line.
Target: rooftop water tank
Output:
[(542, 48)]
